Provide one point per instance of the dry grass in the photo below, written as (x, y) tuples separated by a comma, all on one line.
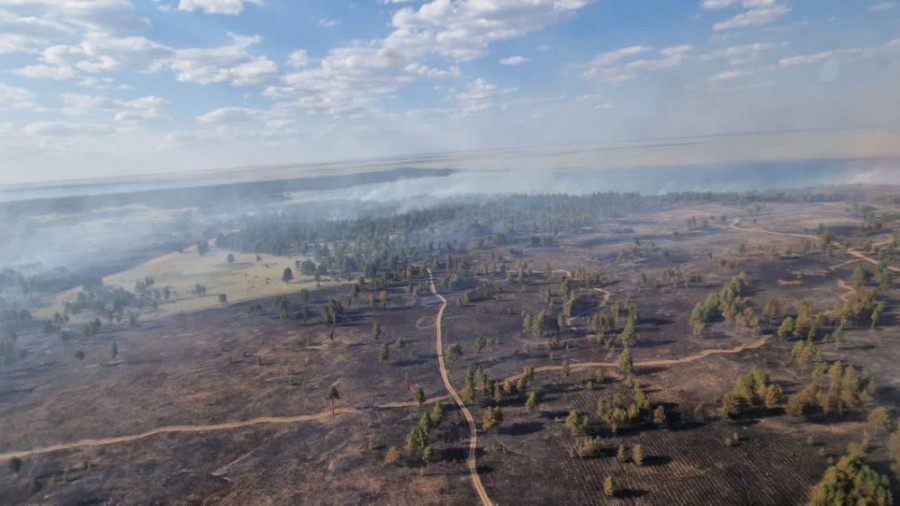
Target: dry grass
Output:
[(245, 279)]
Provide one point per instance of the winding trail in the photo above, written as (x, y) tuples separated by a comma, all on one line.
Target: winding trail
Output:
[(849, 291), (850, 251), (85, 443), (263, 420), (656, 362), (472, 461)]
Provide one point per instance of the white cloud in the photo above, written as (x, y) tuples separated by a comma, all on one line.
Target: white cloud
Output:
[(28, 34), (596, 101), (754, 17), (882, 6), (351, 79), (232, 63), (298, 58), (328, 23), (513, 61), (230, 115), (226, 7), (12, 97), (602, 67), (478, 96), (66, 129), (108, 15), (743, 54), (97, 52), (620, 54), (747, 4), (463, 29), (124, 111), (842, 55), (46, 72), (728, 75)]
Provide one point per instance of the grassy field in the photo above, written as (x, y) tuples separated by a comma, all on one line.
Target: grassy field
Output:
[(245, 279)]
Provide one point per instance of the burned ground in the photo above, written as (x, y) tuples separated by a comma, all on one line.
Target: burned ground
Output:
[(239, 363)]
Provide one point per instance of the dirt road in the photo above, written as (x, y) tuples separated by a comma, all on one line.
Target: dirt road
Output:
[(850, 251), (472, 461), (656, 362), (270, 420), (84, 443)]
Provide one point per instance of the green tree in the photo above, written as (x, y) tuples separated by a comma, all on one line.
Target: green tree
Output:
[(229, 259), (879, 418), (376, 331), (419, 396), (437, 414), (576, 421), (427, 454), (659, 415), (384, 353), (625, 362), (609, 489), (393, 455), (786, 328), (453, 352), (493, 416), (114, 351), (288, 275), (531, 403), (621, 454), (15, 464), (637, 455), (851, 481), (332, 396)]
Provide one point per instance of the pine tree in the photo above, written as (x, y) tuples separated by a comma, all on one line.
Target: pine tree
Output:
[(659, 415), (625, 362), (493, 417), (637, 455), (376, 331), (609, 489), (333, 395), (393, 455), (531, 403)]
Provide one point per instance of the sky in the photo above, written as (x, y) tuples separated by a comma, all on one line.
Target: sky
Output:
[(100, 88)]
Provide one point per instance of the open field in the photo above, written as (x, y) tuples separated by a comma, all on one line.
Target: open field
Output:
[(180, 271), (206, 402)]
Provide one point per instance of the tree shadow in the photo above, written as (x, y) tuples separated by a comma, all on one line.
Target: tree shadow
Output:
[(630, 493), (410, 362), (640, 371), (521, 428), (656, 460)]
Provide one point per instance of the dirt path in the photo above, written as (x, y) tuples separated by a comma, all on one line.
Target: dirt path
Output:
[(849, 290), (473, 430), (271, 420), (85, 443), (656, 362), (850, 251)]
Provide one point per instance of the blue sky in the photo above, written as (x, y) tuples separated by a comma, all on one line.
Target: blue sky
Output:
[(93, 88)]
